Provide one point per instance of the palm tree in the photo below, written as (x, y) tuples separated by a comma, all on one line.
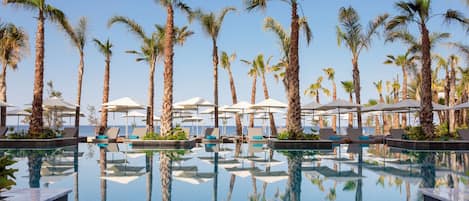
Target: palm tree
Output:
[(45, 11), (226, 64), (105, 49), (449, 65), (313, 91), (350, 89), (211, 24), (168, 52), (419, 12), (78, 37), (406, 62), (264, 67), (379, 88), (330, 72), (254, 73), (282, 35), (292, 72), (395, 91), (13, 47), (356, 39)]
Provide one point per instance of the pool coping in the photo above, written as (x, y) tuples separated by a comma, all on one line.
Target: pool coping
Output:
[(276, 144), (40, 143), (25, 194), (428, 145), (162, 144)]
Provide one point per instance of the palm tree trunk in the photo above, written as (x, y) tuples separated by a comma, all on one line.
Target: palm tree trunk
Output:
[(105, 94), (377, 126), (151, 96), (292, 73), (452, 97), (215, 82), (234, 98), (404, 93), (3, 95), (81, 68), (426, 112), (36, 124), (273, 129), (350, 115), (149, 172), (395, 118), (167, 114), (253, 100), (356, 86), (294, 176), (102, 168), (321, 122), (334, 98), (166, 180)]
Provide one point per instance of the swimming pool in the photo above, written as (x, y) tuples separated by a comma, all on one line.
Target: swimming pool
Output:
[(117, 172)]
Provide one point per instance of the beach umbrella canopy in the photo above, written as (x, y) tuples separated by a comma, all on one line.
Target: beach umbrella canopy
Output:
[(242, 172), (70, 114), (194, 103), (194, 178), (270, 177), (338, 104), (440, 107), (377, 107), (311, 106), (56, 103), (122, 178), (192, 119), (4, 104), (18, 112), (462, 106), (243, 105), (134, 114), (125, 104), (269, 103), (407, 104)]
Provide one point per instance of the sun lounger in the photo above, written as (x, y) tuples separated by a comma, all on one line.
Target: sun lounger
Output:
[(211, 135), (356, 134), (397, 133), (138, 133), (110, 135), (255, 135), (255, 147), (463, 134), (328, 134), (70, 132)]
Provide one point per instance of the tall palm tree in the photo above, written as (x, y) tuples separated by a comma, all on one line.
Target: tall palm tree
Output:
[(419, 12), (105, 49), (405, 61), (226, 64), (44, 11), (330, 72), (449, 65), (13, 47), (78, 36), (349, 88), (211, 24), (282, 35), (292, 71), (352, 33), (254, 73), (168, 52), (264, 67), (313, 91)]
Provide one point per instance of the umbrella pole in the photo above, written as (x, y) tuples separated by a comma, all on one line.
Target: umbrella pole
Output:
[(197, 122), (338, 130), (126, 124), (17, 124)]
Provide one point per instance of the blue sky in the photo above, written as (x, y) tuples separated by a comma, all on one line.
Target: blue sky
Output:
[(241, 33)]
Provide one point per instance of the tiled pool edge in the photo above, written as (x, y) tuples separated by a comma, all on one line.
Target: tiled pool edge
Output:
[(162, 144), (299, 144), (39, 143), (428, 145)]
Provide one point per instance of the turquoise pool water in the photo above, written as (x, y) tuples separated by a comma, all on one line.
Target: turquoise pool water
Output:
[(117, 172)]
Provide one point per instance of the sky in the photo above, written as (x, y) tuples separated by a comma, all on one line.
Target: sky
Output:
[(242, 32)]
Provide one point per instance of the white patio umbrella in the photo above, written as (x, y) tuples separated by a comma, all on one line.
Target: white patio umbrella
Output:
[(124, 105), (380, 107), (242, 106), (122, 178), (134, 114), (195, 103), (270, 177), (4, 104), (56, 104), (70, 114), (269, 104), (18, 113), (462, 106), (339, 104), (310, 107), (194, 178)]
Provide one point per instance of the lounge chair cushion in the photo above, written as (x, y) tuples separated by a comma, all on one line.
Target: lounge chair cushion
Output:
[(334, 138), (101, 137), (210, 137), (134, 137), (364, 137), (257, 137)]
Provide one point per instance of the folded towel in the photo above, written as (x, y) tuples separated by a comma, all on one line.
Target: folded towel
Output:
[(101, 137), (133, 137), (364, 138), (211, 137), (257, 137)]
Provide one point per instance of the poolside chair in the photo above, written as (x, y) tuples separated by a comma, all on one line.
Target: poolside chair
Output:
[(397, 133), (70, 132), (112, 134), (255, 147), (356, 134), (138, 133), (328, 134), (211, 135), (463, 134), (255, 135)]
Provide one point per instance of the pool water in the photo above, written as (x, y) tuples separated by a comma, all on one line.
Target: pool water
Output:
[(117, 172)]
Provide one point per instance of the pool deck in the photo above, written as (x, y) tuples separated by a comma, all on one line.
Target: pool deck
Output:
[(40, 143), (444, 194), (37, 194), (163, 144), (452, 145)]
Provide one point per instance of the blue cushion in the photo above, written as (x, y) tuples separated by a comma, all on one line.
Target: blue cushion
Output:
[(257, 137), (257, 145), (102, 145), (211, 137), (364, 138), (210, 145), (58, 136), (133, 137), (364, 145), (101, 137), (334, 138)]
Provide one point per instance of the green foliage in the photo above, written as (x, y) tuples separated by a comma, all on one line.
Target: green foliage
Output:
[(175, 134), (349, 186), (7, 177), (47, 133), (303, 136), (441, 133), (415, 133)]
